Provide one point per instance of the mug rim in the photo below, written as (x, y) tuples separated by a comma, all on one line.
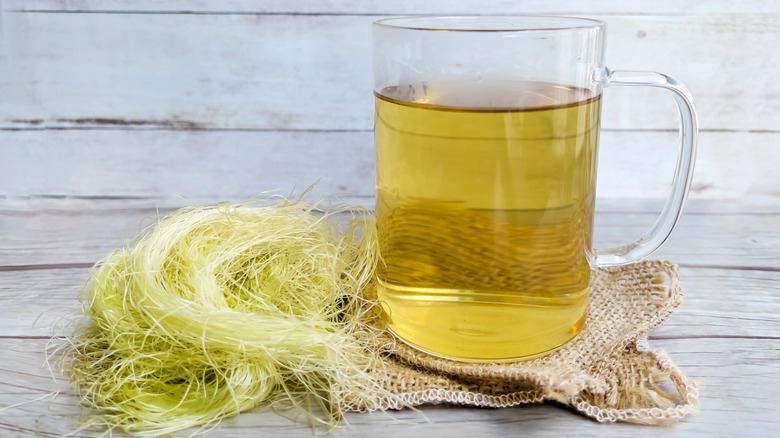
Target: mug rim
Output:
[(547, 23)]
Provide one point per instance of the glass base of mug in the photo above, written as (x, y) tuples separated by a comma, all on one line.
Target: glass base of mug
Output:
[(483, 360), (482, 326)]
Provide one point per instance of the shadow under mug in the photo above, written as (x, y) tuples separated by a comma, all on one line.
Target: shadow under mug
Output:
[(486, 136)]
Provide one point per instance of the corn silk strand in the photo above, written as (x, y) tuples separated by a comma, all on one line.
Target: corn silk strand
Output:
[(215, 309)]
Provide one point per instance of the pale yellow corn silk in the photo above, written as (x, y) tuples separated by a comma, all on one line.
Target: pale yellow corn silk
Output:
[(216, 309)]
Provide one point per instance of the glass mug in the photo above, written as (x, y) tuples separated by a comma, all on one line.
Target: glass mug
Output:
[(486, 134)]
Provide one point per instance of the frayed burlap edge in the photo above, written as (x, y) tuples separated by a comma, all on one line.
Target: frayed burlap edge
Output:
[(608, 373)]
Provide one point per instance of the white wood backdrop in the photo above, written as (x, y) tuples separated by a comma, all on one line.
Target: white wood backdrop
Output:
[(210, 100)]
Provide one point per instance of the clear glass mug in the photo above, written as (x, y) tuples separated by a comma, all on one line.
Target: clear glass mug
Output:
[(486, 134)]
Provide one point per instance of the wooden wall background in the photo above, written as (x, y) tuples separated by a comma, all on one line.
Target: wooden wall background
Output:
[(190, 101)]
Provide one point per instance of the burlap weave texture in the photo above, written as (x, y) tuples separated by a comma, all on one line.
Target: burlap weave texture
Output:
[(609, 372)]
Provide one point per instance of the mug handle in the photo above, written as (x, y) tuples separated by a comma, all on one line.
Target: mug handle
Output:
[(683, 173)]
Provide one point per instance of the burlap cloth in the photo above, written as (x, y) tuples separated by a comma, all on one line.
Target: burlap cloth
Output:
[(609, 372)]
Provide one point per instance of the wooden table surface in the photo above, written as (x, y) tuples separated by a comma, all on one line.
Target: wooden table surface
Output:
[(725, 333)]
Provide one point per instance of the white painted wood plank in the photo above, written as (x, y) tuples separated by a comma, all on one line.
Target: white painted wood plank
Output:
[(314, 71), (718, 303), (38, 204), (740, 383), (210, 166), (41, 303), (65, 237), (404, 6), (702, 240), (725, 303), (188, 164)]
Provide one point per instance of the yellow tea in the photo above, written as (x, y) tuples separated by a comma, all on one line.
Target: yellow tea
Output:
[(484, 209)]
